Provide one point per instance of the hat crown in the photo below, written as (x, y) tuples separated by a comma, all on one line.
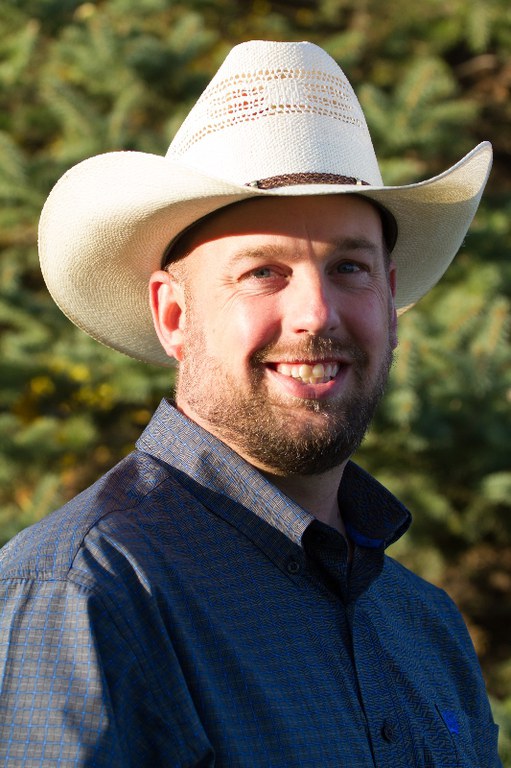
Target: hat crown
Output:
[(274, 109)]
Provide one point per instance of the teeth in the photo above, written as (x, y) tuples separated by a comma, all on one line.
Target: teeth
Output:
[(318, 373)]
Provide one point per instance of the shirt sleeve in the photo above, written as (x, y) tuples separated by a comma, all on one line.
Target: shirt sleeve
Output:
[(73, 692)]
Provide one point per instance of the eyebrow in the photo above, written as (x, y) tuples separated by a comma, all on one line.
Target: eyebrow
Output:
[(345, 245), (356, 244)]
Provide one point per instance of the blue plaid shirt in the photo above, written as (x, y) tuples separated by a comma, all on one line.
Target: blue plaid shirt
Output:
[(183, 612)]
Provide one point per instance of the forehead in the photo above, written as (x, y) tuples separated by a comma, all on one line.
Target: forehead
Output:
[(324, 218)]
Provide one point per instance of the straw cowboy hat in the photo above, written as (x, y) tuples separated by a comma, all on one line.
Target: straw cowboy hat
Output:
[(277, 119)]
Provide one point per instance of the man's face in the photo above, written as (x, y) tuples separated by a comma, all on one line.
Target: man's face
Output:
[(289, 328)]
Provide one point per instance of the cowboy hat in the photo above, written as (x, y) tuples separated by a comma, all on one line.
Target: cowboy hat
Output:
[(277, 119)]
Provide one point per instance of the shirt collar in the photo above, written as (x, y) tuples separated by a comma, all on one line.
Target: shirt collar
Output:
[(373, 517), (180, 442)]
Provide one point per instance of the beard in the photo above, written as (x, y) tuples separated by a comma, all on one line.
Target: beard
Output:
[(287, 436)]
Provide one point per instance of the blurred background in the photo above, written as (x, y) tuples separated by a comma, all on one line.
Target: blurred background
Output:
[(434, 79)]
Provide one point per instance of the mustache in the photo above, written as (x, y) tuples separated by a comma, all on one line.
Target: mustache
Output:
[(311, 348)]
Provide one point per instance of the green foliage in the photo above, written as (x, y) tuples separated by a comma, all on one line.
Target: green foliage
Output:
[(77, 79), (502, 714)]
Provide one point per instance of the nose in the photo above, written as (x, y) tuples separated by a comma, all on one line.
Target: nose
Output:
[(312, 306)]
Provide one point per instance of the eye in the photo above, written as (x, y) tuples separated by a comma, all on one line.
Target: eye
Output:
[(266, 272), (262, 272), (266, 278), (348, 268)]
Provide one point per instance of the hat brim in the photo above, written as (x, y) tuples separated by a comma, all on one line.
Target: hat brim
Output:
[(107, 222)]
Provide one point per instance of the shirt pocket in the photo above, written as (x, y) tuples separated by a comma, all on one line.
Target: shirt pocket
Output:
[(482, 750), (458, 746)]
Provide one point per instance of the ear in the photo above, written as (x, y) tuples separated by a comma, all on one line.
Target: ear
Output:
[(393, 319), (168, 310)]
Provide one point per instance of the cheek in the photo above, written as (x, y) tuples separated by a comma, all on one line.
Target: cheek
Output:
[(371, 321), (241, 328), (255, 326)]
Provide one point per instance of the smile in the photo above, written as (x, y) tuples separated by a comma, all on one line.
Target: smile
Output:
[(309, 373)]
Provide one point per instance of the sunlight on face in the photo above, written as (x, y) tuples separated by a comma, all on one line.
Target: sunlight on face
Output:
[(289, 329)]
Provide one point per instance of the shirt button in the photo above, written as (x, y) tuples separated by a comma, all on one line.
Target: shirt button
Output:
[(293, 566), (388, 731)]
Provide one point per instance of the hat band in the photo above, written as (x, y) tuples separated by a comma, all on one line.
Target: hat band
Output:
[(290, 179)]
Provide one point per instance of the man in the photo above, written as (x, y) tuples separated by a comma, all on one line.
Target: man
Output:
[(222, 596)]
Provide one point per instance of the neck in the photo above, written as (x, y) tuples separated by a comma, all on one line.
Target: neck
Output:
[(317, 494)]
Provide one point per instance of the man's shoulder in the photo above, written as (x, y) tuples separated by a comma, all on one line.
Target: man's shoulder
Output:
[(48, 549), (403, 584)]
